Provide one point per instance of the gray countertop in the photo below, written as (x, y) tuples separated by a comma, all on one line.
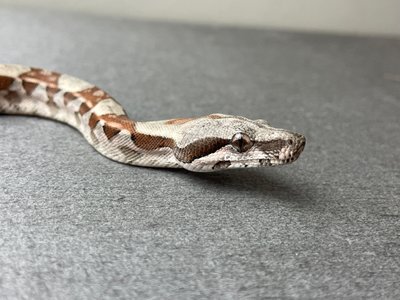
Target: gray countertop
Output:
[(75, 225)]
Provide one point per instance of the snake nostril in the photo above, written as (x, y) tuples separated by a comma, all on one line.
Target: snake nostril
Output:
[(290, 142)]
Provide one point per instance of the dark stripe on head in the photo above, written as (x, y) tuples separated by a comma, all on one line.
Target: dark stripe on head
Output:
[(272, 145), (200, 148)]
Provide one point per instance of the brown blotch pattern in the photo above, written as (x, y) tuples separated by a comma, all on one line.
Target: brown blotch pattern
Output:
[(150, 142), (68, 96), (41, 76), (113, 124), (12, 96), (83, 109), (51, 91), (93, 96), (30, 80), (5, 82), (120, 122), (36, 76), (199, 149), (179, 121), (93, 120), (110, 131), (29, 87)]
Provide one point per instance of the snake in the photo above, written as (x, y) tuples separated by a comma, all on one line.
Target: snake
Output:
[(201, 144)]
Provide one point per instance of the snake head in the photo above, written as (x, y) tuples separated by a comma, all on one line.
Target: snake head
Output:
[(218, 141)]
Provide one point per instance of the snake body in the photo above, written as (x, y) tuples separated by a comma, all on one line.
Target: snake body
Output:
[(202, 144)]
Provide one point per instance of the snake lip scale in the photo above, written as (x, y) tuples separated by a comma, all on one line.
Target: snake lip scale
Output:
[(203, 144)]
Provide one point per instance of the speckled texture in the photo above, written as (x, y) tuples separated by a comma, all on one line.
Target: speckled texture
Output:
[(77, 225)]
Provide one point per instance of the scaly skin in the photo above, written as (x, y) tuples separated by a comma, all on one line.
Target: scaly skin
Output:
[(202, 144)]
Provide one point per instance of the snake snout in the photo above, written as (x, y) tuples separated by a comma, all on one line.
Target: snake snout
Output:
[(298, 147), (294, 145), (301, 142)]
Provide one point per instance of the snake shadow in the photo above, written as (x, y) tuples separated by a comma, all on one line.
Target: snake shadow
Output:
[(266, 185)]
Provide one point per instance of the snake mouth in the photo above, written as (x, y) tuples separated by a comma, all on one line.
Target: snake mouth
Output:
[(294, 155), (274, 158), (291, 153), (250, 163)]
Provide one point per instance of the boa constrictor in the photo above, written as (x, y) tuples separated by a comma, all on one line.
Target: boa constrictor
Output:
[(202, 144)]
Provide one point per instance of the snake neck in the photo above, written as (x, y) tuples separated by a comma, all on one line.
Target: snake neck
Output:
[(137, 143), (99, 117)]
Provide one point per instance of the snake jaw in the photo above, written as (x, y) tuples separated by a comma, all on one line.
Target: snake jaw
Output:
[(269, 147), (283, 156)]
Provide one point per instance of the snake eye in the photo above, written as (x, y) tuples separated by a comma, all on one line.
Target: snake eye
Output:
[(241, 142)]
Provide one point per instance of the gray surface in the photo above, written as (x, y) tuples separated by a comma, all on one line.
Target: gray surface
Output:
[(76, 225)]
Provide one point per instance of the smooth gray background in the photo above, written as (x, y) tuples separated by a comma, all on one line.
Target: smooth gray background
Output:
[(352, 16), (75, 225)]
